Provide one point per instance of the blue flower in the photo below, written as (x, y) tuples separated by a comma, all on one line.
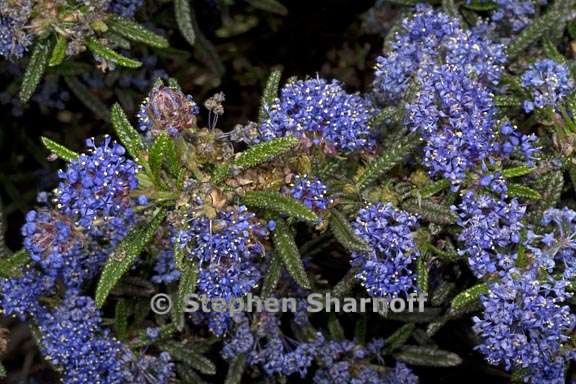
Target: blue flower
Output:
[(20, 295), (524, 325), (14, 39), (98, 186), (311, 191), (548, 82), (320, 113), (385, 269), (125, 8)]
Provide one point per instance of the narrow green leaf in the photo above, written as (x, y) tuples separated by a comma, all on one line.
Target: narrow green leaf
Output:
[(185, 21), (279, 203), (264, 152), (431, 189), (58, 52), (505, 101), (273, 6), (518, 190), (468, 296), (187, 355), (450, 8), (518, 171), (360, 329), (385, 115), (35, 69), (285, 246), (344, 233), (157, 155), (272, 276), (427, 356), (10, 265), (186, 286), (87, 98), (124, 256), (533, 32), (110, 55), (389, 158), (236, 369), (345, 285), (479, 6), (127, 134), (334, 327), (398, 338), (422, 274), (430, 211), (188, 375), (270, 94), (3, 372), (552, 52), (136, 32), (446, 256), (121, 319), (59, 150), (442, 293)]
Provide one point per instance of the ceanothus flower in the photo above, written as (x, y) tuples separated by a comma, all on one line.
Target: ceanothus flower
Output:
[(548, 82), (147, 369), (516, 14), (97, 187), (385, 269), (20, 294), (491, 227), (125, 8), (320, 113), (524, 325), (14, 40), (310, 191)]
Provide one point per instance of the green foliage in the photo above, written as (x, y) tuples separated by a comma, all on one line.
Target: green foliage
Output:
[(264, 152), (518, 171), (422, 274), (479, 6), (189, 357), (10, 264), (128, 135), (156, 157), (135, 32), (121, 319), (58, 52), (125, 255), (272, 276), (35, 69), (433, 188), (110, 55), (279, 203), (518, 190), (398, 338), (186, 286), (344, 233), (59, 150), (507, 101), (388, 114), (87, 98), (273, 6), (427, 356), (270, 94), (285, 246), (469, 296), (236, 369), (184, 19), (335, 328), (430, 211)]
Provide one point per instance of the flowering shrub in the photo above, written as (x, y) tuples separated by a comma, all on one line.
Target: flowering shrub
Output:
[(452, 177)]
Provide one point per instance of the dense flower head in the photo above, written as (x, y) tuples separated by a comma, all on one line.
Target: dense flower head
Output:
[(97, 185), (125, 8), (490, 229), (311, 191), (20, 294), (320, 113), (524, 324), (14, 40), (385, 269), (167, 110), (60, 248), (548, 82), (146, 369), (73, 340), (514, 14), (427, 38), (165, 267)]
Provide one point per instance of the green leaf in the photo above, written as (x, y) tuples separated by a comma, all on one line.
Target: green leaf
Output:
[(3, 372), (285, 246), (533, 32), (110, 55), (335, 328), (273, 6), (345, 285), (505, 101), (360, 329), (188, 375), (264, 152), (344, 233), (398, 338), (552, 52), (190, 357), (518, 190), (432, 188), (121, 319), (185, 20), (135, 32), (277, 202), (468, 297), (518, 171), (124, 256), (58, 52), (236, 369), (270, 94), (35, 69), (186, 286), (10, 265), (430, 211), (127, 134), (385, 115), (157, 155), (87, 98), (427, 356), (479, 6), (422, 274), (59, 150), (389, 158), (272, 276)]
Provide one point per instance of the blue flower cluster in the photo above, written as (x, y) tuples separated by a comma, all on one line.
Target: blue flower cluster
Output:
[(320, 113), (14, 41), (125, 8), (167, 110), (491, 229), (20, 294), (97, 185), (385, 269), (311, 191), (524, 326), (548, 82), (513, 14)]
